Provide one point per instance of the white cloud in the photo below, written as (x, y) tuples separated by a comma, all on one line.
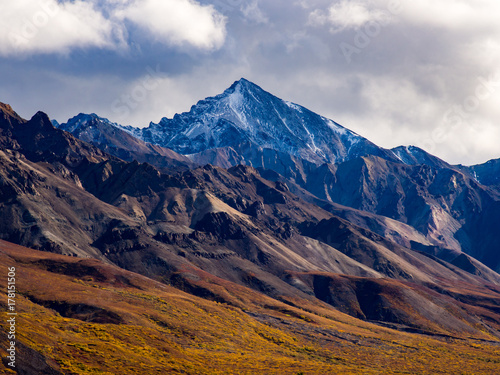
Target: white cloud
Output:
[(252, 12), (428, 57), (452, 14), (177, 22), (47, 26), (349, 15), (168, 95), (50, 26)]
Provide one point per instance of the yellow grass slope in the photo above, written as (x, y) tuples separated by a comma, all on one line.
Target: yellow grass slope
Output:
[(86, 317)]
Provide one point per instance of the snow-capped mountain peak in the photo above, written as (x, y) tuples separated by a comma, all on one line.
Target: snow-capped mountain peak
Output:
[(245, 113), (88, 127), (412, 155), (83, 120)]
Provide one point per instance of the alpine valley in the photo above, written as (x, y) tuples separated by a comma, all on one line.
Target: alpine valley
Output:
[(248, 235)]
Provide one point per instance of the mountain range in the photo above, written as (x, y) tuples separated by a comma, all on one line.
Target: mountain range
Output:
[(247, 125), (259, 211)]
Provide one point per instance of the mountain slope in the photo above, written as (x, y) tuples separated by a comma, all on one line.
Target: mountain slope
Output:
[(82, 316), (447, 205), (487, 174), (184, 227), (450, 208), (245, 113), (247, 125), (412, 155), (110, 138)]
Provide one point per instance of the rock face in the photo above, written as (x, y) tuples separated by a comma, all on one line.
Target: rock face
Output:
[(451, 206), (245, 114), (487, 174), (250, 226), (110, 138), (416, 156)]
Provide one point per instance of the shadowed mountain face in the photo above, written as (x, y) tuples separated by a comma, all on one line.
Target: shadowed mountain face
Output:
[(416, 156), (487, 174), (110, 138), (449, 207), (185, 227), (300, 239), (453, 208)]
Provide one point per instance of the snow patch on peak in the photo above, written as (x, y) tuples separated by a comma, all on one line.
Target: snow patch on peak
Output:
[(83, 121), (349, 135), (476, 178), (237, 104), (293, 106), (403, 154), (312, 145), (335, 127), (196, 130), (240, 85), (245, 113), (412, 155)]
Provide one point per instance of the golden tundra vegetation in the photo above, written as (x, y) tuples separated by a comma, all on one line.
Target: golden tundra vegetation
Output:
[(86, 317)]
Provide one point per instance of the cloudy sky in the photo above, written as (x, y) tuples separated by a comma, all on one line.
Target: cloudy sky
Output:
[(398, 72)]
